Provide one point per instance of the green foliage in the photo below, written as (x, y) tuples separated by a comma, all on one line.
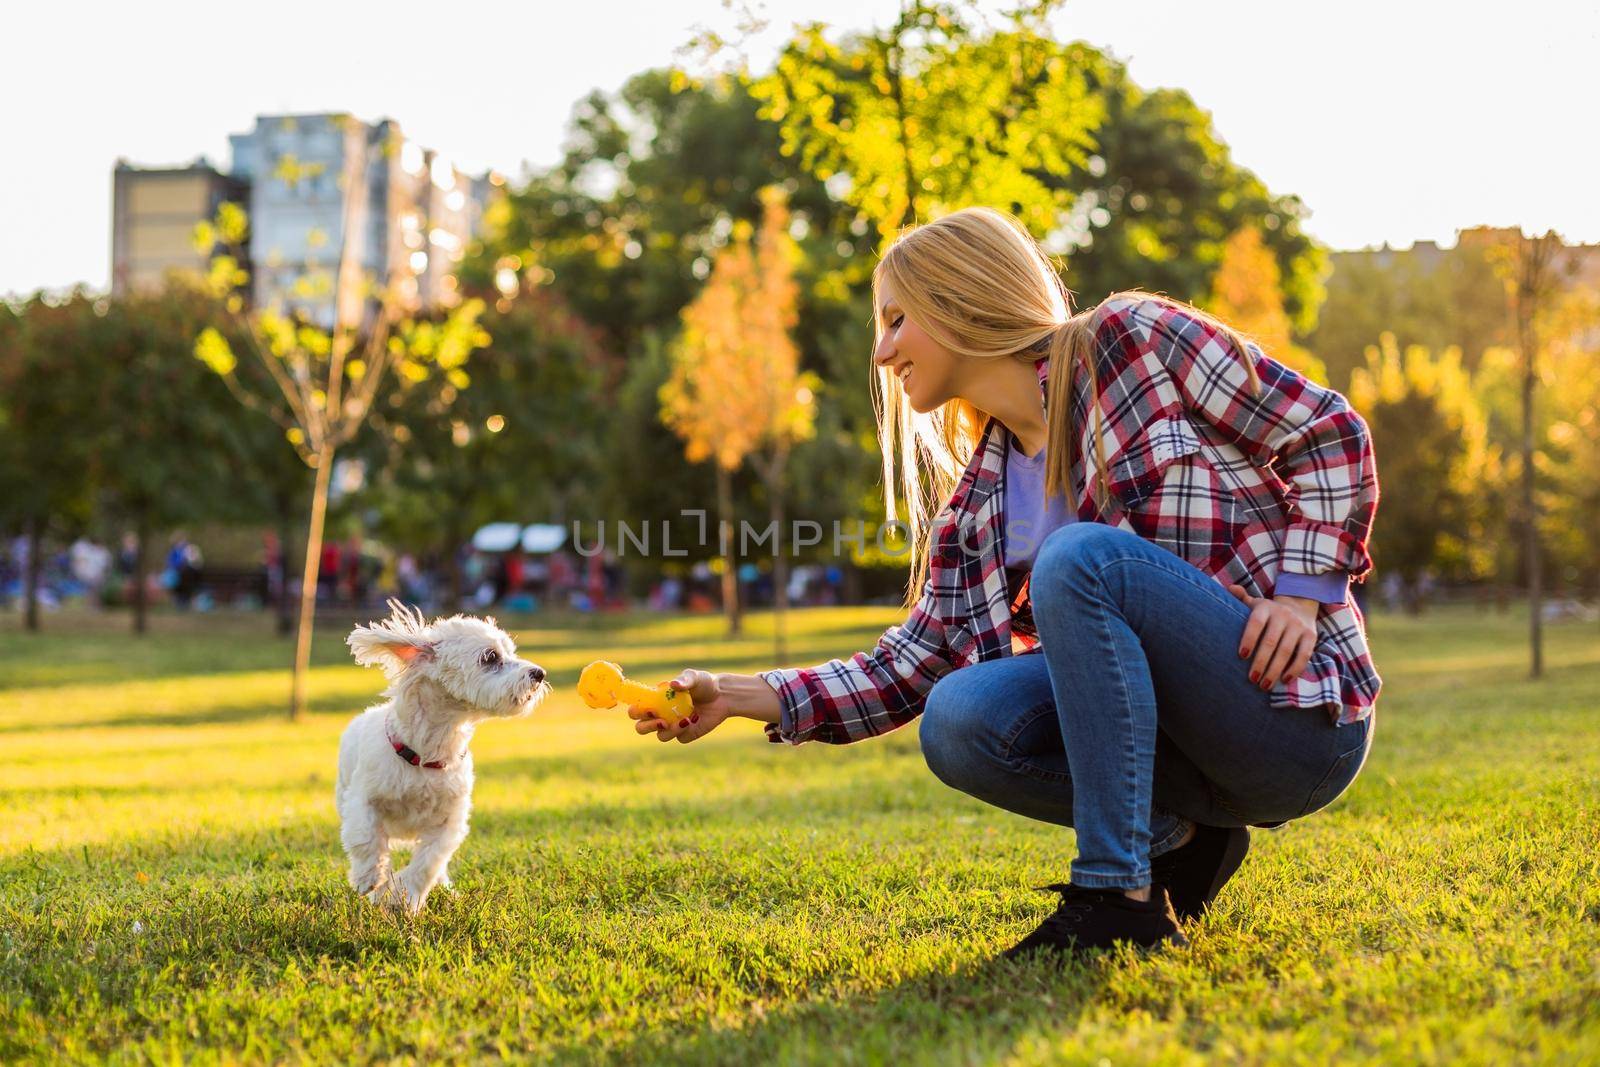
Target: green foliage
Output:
[(927, 115), (651, 186), (676, 171), (522, 443), (1159, 199), (1430, 438), (1454, 299), (1566, 424), (325, 355), (934, 113), (50, 432), (175, 889), (165, 435)]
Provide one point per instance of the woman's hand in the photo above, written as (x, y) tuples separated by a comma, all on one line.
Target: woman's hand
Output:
[(1281, 635), (710, 709)]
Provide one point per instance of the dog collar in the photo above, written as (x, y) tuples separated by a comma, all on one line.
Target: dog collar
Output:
[(407, 753)]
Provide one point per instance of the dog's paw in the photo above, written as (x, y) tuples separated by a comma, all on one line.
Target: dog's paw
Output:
[(398, 897), (368, 883)]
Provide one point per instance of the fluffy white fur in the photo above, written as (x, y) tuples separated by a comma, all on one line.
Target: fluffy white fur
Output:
[(444, 678)]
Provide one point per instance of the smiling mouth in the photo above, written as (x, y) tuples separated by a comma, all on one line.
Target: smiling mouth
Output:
[(905, 375)]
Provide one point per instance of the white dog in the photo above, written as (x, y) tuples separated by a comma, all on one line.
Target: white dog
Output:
[(404, 770)]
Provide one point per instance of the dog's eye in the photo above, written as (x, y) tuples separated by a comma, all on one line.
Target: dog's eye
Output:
[(491, 658)]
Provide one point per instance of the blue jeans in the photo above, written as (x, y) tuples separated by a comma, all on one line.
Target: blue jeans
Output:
[(1136, 717)]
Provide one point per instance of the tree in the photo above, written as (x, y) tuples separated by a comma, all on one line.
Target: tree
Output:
[(1570, 504), (1424, 296), (653, 179), (624, 231), (327, 379), (935, 113), (1429, 431), (524, 443), (1528, 266), (737, 393), (46, 455), (1245, 293), (1159, 198), (162, 443), (930, 114)]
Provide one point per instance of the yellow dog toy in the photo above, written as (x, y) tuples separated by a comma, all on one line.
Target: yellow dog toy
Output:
[(601, 685)]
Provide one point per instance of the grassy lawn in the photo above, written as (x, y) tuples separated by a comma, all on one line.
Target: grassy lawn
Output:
[(171, 883)]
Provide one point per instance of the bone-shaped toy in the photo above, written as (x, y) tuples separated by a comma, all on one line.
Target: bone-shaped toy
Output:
[(601, 685)]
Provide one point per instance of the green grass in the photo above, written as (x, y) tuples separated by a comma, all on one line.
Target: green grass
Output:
[(171, 884)]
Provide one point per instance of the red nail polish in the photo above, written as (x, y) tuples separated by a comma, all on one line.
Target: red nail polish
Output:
[(1254, 676), (694, 718), (1244, 653)]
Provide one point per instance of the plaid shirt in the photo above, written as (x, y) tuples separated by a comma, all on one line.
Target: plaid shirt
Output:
[(1243, 486)]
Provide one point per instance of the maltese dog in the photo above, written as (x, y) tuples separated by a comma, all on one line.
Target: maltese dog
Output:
[(405, 774)]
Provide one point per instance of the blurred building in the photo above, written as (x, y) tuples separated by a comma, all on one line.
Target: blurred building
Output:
[(1574, 266), (412, 216), (1575, 263), (154, 211)]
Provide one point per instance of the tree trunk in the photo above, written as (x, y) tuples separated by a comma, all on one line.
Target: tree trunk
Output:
[(308, 585), (35, 565), (730, 573), (141, 598), (1529, 516)]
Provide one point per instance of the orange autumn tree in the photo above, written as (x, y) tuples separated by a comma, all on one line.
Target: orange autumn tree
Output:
[(736, 393), (1247, 293)]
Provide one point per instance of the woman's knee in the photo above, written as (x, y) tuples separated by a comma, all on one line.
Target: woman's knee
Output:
[(950, 730), (1073, 551)]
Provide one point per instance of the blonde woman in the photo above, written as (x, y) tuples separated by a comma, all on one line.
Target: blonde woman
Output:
[(1129, 615)]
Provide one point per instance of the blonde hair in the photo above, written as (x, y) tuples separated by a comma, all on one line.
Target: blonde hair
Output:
[(979, 285)]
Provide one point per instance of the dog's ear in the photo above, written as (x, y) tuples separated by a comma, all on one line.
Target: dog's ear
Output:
[(392, 644)]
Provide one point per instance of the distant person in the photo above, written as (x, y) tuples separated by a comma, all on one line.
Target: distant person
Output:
[(328, 571), (90, 563), (408, 574), (1123, 619), (272, 563), (191, 568)]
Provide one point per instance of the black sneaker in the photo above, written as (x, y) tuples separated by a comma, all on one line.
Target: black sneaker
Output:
[(1196, 872), (1090, 919)]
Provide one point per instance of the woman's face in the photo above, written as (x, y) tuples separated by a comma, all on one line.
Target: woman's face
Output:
[(927, 370)]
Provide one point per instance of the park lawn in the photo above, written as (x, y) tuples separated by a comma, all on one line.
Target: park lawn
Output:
[(171, 884)]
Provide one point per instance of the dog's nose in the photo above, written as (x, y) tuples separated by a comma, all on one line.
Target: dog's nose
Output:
[(536, 672)]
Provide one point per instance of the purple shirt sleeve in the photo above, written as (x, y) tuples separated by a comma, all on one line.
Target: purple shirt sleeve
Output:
[(1329, 588)]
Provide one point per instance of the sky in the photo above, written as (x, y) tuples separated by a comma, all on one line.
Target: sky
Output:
[(1394, 121)]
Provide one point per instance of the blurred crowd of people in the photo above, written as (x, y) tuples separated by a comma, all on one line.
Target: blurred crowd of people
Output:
[(359, 573), (93, 572)]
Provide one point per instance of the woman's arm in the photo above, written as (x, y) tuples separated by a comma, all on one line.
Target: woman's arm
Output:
[(750, 697), (871, 693), (837, 702)]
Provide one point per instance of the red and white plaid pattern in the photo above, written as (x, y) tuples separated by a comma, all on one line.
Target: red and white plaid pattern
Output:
[(1243, 486)]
